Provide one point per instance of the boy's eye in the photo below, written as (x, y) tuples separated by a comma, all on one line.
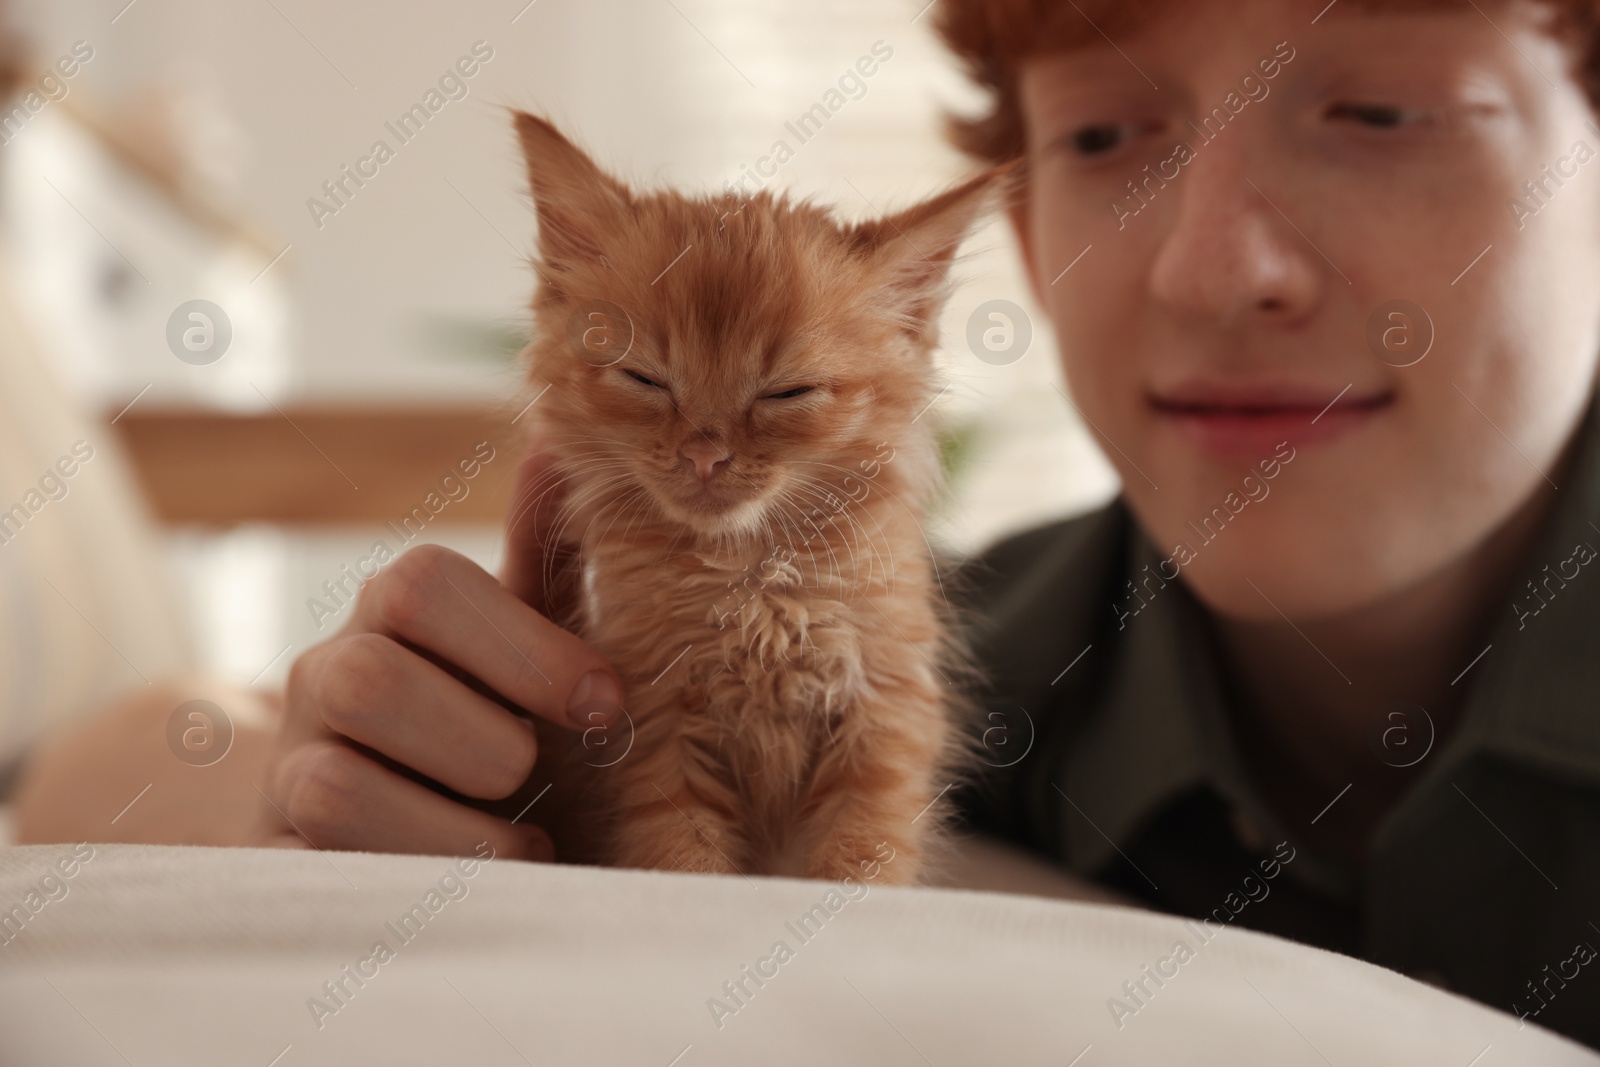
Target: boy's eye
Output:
[(1378, 116), (641, 379), (1097, 140), (798, 390)]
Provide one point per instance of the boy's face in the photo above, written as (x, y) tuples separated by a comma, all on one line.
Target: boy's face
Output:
[(1220, 313)]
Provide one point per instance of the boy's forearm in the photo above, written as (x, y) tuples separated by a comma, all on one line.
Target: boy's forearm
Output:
[(113, 777)]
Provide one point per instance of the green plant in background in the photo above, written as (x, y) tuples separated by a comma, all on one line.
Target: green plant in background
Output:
[(467, 337), (958, 442)]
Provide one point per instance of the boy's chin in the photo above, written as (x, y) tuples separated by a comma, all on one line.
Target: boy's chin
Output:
[(1262, 589)]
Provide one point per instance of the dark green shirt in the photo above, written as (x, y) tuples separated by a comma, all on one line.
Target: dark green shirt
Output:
[(1483, 879)]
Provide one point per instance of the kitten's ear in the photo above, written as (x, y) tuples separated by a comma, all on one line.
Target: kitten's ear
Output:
[(913, 250), (576, 201)]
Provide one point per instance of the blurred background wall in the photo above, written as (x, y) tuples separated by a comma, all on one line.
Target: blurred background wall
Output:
[(177, 165)]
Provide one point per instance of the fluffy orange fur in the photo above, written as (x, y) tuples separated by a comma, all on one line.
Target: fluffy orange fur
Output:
[(732, 393)]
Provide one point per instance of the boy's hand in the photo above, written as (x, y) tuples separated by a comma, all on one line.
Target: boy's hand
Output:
[(404, 686)]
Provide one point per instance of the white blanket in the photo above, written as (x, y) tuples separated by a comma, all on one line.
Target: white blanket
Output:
[(148, 955)]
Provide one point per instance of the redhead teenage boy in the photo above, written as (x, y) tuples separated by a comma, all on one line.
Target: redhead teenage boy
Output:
[(1327, 667), (1334, 313)]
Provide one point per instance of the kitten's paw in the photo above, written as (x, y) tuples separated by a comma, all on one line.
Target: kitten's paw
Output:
[(687, 860), (881, 863), (675, 845)]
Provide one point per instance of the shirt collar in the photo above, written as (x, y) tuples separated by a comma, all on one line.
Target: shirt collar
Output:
[(1160, 729), (1535, 697)]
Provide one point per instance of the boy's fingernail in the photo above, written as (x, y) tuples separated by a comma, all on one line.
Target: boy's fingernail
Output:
[(595, 700)]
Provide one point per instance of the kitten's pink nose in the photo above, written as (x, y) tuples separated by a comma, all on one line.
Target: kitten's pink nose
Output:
[(705, 457)]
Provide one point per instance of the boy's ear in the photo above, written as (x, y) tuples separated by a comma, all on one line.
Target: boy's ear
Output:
[(576, 201), (914, 248)]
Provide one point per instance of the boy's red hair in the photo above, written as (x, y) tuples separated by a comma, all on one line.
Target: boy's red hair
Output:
[(992, 37)]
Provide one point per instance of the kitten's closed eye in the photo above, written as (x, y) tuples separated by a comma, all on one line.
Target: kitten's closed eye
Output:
[(642, 379), (787, 394)]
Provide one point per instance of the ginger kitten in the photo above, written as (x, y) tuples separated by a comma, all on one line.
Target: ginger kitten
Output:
[(733, 404)]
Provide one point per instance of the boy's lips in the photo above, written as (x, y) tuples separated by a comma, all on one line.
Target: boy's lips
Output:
[(1232, 419)]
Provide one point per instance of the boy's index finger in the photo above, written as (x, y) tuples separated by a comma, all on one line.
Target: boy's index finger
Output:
[(536, 567)]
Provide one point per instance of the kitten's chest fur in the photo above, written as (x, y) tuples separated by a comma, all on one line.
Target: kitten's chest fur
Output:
[(757, 665), (764, 637)]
